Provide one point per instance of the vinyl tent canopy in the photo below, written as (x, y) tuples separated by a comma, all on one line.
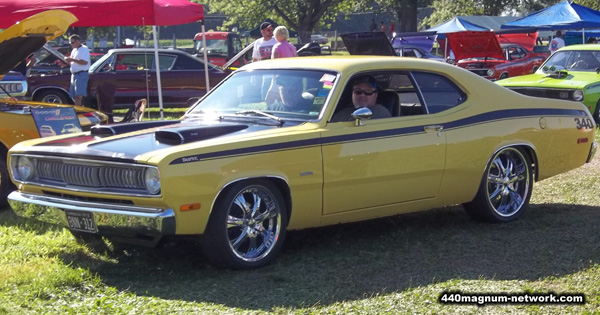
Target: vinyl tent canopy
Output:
[(563, 15), (106, 12)]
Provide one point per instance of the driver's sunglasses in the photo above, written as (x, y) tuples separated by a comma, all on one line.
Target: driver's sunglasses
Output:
[(365, 92)]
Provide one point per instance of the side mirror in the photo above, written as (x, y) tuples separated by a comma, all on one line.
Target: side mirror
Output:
[(361, 114)]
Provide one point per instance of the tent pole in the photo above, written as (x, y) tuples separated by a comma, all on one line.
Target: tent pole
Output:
[(157, 65), (205, 56)]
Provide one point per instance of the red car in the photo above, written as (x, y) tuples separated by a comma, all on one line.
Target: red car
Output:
[(126, 75), (482, 53)]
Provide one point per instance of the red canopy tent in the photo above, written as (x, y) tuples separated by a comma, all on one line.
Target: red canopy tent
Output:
[(111, 13), (107, 12)]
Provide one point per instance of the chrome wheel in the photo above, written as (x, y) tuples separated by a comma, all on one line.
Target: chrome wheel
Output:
[(505, 189), (253, 223), (247, 226), (508, 182)]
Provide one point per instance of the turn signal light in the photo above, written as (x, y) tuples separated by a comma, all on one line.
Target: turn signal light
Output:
[(192, 206)]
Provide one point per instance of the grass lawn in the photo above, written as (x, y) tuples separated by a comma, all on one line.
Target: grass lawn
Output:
[(397, 265)]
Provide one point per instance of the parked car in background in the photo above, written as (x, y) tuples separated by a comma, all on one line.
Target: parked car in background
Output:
[(125, 75), (241, 173), (17, 121), (416, 52), (377, 43), (571, 73), (319, 39), (220, 47), (481, 53)]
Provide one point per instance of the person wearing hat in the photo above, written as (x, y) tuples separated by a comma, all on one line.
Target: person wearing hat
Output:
[(364, 94), (264, 45)]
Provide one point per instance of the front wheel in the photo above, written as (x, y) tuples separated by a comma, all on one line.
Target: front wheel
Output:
[(505, 189), (247, 226)]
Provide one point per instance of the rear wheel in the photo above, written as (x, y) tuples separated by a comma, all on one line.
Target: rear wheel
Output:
[(505, 189), (53, 96), (247, 226)]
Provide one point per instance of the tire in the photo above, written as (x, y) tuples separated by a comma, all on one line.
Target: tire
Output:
[(503, 76), (53, 96), (535, 69), (247, 227), (6, 186), (505, 188)]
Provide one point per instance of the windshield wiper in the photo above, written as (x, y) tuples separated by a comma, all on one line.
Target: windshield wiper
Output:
[(261, 113)]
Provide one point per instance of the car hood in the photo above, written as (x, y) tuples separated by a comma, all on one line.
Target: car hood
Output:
[(26, 37), (573, 80), (472, 44), (368, 43), (125, 142), (423, 40)]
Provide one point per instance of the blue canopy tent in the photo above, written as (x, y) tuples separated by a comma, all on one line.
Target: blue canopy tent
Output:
[(453, 26), (563, 15)]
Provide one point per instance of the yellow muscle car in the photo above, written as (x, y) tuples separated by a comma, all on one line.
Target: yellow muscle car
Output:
[(279, 145), (17, 121)]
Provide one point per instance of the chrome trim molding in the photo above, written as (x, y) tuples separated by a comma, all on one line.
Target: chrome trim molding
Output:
[(109, 219)]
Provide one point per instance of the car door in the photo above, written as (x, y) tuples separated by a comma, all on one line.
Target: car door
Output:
[(387, 161), (124, 77)]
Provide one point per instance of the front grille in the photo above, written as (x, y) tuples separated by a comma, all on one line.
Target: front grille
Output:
[(480, 72), (90, 175), (87, 175), (561, 94)]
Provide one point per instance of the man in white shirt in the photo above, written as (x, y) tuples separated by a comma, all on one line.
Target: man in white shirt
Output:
[(264, 45), (79, 59), (556, 43)]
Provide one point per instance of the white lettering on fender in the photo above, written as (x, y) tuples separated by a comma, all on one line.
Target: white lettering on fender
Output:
[(189, 159)]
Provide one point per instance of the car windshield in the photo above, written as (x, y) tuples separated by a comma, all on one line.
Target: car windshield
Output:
[(576, 60), (215, 46), (287, 94)]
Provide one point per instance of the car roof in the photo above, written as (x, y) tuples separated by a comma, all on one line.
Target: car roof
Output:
[(147, 50), (581, 47)]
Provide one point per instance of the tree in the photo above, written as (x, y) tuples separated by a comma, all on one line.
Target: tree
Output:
[(300, 15), (444, 10)]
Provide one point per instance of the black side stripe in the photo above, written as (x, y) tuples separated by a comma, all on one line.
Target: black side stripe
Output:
[(460, 123)]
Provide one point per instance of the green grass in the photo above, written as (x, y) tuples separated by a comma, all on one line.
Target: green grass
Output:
[(397, 265)]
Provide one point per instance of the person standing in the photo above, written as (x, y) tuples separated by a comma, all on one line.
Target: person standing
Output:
[(79, 60), (556, 43), (373, 26), (264, 45), (283, 48), (383, 28), (392, 29)]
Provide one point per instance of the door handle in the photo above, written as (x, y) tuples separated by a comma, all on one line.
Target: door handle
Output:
[(437, 128)]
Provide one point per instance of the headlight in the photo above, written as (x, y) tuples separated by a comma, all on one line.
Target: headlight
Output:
[(152, 180), (490, 72), (24, 168), (578, 95)]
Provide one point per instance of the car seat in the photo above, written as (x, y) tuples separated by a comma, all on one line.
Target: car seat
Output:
[(390, 100)]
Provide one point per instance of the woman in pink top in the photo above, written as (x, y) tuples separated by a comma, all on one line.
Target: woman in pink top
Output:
[(283, 48)]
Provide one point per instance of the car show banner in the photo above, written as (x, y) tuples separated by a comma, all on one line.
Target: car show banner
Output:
[(56, 121)]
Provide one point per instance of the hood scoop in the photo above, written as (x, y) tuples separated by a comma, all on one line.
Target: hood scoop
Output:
[(175, 136), (117, 129)]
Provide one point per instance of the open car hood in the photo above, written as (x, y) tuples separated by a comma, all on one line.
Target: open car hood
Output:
[(423, 40), (26, 37), (368, 43), (470, 44)]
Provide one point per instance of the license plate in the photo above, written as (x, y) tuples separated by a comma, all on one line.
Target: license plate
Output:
[(81, 221)]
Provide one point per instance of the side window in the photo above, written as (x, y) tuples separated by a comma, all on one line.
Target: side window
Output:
[(131, 62), (165, 62), (185, 63), (439, 93)]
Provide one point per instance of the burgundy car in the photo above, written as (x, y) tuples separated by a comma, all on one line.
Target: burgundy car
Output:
[(123, 76), (482, 53)]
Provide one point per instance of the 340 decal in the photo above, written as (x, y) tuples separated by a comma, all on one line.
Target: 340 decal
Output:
[(584, 123)]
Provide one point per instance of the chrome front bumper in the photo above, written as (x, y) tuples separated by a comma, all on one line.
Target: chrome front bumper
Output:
[(117, 220), (593, 149)]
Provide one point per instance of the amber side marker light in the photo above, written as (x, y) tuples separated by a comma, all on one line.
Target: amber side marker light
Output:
[(192, 206), (582, 140)]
